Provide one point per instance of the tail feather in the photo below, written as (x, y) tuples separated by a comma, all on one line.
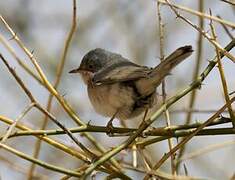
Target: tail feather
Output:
[(148, 85)]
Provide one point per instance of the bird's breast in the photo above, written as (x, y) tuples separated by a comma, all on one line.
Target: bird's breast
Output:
[(107, 99)]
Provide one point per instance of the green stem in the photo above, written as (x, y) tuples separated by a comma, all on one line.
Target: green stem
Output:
[(161, 131), (183, 133)]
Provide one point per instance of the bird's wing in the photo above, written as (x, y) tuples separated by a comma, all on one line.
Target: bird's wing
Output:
[(120, 72)]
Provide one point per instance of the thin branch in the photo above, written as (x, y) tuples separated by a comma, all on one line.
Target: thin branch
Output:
[(80, 169), (226, 29), (17, 167), (207, 149), (50, 141), (146, 161), (160, 131), (112, 173), (217, 121), (182, 133), (40, 163), (166, 133), (12, 126), (200, 14), (90, 154), (186, 110), (18, 79), (88, 128), (229, 2), (19, 61), (160, 174)]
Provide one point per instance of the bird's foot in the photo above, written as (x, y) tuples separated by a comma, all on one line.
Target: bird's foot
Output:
[(110, 128)]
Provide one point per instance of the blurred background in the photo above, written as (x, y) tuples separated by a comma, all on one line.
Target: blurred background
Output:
[(131, 29)]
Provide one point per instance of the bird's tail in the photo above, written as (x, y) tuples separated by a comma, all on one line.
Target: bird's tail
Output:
[(148, 85)]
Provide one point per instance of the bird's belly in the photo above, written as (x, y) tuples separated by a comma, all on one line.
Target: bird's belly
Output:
[(110, 98)]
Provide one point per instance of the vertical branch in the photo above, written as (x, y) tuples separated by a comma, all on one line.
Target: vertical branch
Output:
[(195, 74), (59, 71), (162, 57), (222, 76)]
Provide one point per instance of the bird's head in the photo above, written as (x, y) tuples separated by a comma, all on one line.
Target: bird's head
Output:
[(91, 63)]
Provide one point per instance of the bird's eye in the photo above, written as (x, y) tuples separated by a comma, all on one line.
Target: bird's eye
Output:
[(90, 66)]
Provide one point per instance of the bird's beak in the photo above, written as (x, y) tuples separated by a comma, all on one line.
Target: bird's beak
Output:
[(78, 70)]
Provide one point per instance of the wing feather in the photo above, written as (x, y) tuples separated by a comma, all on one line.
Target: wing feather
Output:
[(123, 71)]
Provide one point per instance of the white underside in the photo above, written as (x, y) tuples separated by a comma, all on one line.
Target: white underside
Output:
[(108, 99)]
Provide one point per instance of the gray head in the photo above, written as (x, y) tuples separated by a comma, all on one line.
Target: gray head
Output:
[(95, 60)]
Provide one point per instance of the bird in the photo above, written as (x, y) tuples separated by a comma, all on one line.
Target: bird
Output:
[(119, 88)]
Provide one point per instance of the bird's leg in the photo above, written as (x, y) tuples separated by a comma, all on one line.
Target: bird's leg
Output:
[(110, 125), (145, 114), (144, 118)]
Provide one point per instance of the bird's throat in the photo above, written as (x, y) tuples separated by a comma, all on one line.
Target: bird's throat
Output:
[(87, 76)]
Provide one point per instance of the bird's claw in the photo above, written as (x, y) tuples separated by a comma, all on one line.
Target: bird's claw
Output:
[(110, 128)]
